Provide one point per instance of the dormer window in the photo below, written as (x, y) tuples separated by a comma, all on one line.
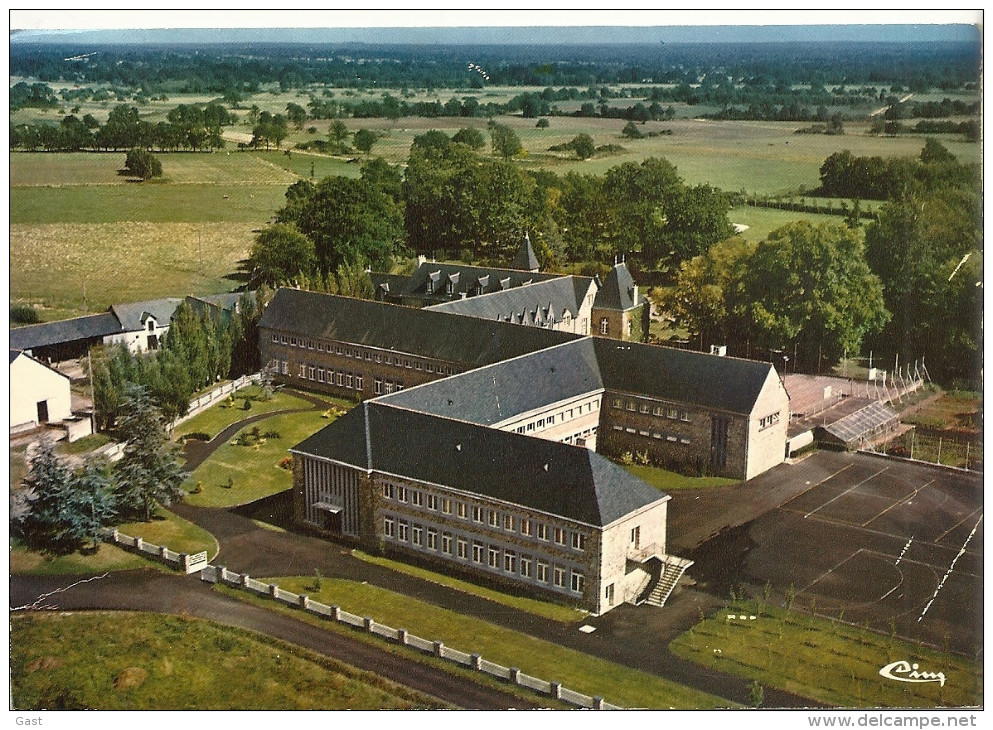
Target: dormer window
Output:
[(151, 325), (453, 281), (433, 278)]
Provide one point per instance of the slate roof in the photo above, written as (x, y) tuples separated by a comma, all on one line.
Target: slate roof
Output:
[(617, 291), (555, 478), (495, 393), (394, 284), (67, 330), (131, 315), (466, 340), (724, 383), (525, 260), (540, 304), (464, 279)]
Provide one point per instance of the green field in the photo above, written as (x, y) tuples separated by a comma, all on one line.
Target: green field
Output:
[(125, 661), (218, 417), (828, 661)]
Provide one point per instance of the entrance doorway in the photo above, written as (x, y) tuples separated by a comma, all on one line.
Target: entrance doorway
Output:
[(43, 411)]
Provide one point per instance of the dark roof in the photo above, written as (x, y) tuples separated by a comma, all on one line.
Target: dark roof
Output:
[(464, 280), (710, 381), (94, 326), (540, 304), (132, 315), (617, 291), (495, 393), (555, 478), (394, 284), (525, 259), (466, 340)]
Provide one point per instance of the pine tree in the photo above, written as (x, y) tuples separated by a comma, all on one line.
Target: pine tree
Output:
[(95, 498), (149, 470)]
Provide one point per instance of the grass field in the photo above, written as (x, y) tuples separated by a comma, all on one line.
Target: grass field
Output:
[(575, 670), (216, 418), (824, 660), (124, 661), (666, 480), (165, 528)]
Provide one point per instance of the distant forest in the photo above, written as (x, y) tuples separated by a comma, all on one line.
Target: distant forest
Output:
[(221, 68)]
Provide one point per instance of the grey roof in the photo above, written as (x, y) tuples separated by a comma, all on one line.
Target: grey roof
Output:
[(555, 478), (93, 326), (394, 284), (465, 280), (724, 383), (525, 259), (132, 315), (493, 394), (540, 304), (466, 340), (618, 290)]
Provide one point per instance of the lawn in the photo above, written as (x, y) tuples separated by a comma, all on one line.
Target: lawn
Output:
[(763, 221), (667, 480), (126, 661), (218, 417), (578, 671), (254, 471), (545, 609), (828, 661), (165, 528)]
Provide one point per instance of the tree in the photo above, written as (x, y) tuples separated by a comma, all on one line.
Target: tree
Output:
[(364, 140), (470, 136), (584, 146), (143, 164), (505, 141), (279, 254), (95, 500), (337, 134), (631, 131), (542, 123), (149, 470), (296, 114), (935, 152)]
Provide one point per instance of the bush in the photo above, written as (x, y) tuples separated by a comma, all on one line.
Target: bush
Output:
[(196, 436), (286, 463), (247, 406), (23, 314)]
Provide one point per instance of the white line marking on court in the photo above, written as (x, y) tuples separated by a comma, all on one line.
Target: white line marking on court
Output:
[(951, 567), (956, 525), (905, 500), (905, 548), (838, 496)]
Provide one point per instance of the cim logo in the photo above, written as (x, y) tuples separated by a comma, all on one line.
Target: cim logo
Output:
[(903, 671)]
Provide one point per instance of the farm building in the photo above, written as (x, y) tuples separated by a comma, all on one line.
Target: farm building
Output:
[(40, 397)]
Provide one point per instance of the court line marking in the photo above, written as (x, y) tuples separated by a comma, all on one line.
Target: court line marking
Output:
[(838, 496), (951, 567), (958, 524), (909, 497), (814, 486)]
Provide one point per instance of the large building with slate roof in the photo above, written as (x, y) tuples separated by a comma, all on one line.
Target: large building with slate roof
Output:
[(440, 460)]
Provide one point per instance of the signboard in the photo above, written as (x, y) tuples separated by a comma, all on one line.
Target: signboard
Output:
[(196, 563)]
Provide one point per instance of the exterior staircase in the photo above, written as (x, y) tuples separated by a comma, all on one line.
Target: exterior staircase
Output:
[(672, 570)]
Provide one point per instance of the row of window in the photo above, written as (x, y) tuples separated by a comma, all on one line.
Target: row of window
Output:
[(769, 420), (672, 438), (482, 515), (565, 415), (580, 439), (491, 556), (669, 412), (387, 386), (367, 355), (352, 381)]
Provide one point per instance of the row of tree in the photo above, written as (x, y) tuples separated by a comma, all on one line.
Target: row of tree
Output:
[(62, 509), (187, 127)]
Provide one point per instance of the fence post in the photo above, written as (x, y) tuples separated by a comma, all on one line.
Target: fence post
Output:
[(598, 703), (402, 637), (304, 601), (244, 580), (138, 543), (515, 675), (369, 624), (224, 573), (273, 589), (439, 648), (117, 537), (162, 551), (477, 661), (556, 690), (336, 613)]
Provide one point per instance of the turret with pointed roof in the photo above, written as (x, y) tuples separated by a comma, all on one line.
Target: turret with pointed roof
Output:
[(525, 260)]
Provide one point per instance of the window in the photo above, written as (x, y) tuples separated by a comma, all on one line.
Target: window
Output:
[(656, 410), (526, 566), (684, 416), (303, 371), (293, 342), (417, 365), (477, 514), (462, 510), (275, 339), (542, 531), (312, 372), (527, 528), (559, 572), (508, 522), (341, 379), (509, 561), (416, 498), (617, 403), (401, 494), (320, 375), (403, 530), (477, 552), (349, 379), (643, 408), (683, 440), (608, 594), (769, 420), (559, 536), (493, 557), (358, 382), (377, 386), (388, 527), (542, 571), (463, 547), (418, 535), (578, 541), (337, 349), (284, 367), (578, 582), (671, 413), (432, 502), (446, 505), (494, 518), (388, 491), (429, 367), (432, 539), (636, 537), (446, 543), (604, 325), (389, 387), (379, 357)]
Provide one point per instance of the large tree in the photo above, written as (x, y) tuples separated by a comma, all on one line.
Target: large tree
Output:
[(280, 253), (149, 470), (505, 141)]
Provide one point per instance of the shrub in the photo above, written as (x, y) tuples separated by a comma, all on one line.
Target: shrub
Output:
[(23, 314), (286, 463), (197, 436), (247, 405)]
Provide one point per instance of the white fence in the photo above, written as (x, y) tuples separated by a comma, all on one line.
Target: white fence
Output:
[(222, 575), (181, 561), (203, 401)]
